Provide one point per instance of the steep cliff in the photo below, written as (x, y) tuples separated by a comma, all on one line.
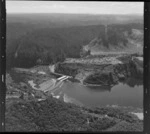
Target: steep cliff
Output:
[(104, 73)]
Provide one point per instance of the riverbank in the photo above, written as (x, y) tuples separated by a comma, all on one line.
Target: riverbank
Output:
[(43, 110)]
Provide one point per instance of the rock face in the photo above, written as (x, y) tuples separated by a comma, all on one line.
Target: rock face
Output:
[(111, 74), (102, 78), (102, 73), (67, 69), (136, 66)]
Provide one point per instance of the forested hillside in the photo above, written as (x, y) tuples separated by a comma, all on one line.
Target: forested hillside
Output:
[(118, 38), (50, 43), (49, 38)]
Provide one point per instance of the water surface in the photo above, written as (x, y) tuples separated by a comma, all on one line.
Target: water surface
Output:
[(120, 94), (127, 93)]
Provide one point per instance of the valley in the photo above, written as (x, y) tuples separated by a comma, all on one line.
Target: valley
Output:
[(74, 73), (65, 82)]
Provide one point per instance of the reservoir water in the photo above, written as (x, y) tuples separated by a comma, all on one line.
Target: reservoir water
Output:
[(120, 94), (128, 93)]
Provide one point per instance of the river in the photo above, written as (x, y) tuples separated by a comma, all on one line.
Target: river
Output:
[(128, 93), (121, 94)]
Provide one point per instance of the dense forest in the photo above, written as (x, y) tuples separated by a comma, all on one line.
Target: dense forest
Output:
[(55, 115), (50, 45), (29, 43)]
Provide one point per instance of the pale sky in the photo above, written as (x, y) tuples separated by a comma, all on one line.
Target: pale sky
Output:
[(74, 7)]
